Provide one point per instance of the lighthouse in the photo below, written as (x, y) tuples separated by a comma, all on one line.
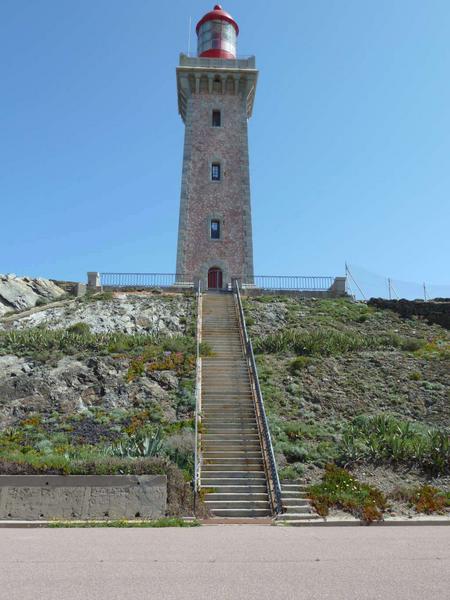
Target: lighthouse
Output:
[(216, 91)]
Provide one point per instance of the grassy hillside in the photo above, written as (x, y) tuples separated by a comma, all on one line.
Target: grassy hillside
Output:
[(348, 384)]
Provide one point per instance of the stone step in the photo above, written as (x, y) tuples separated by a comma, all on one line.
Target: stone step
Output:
[(226, 468), (226, 391), (228, 417), (229, 421), (233, 464), (209, 371), (227, 406), (237, 489), (227, 398), (218, 404), (214, 505), (232, 403), (293, 495), (230, 407), (292, 487), (226, 428), (233, 448), (242, 512), (219, 437), (238, 497), (225, 414), (218, 478), (231, 454), (304, 516), (293, 502)]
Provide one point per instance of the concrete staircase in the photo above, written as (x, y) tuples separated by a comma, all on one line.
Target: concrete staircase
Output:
[(232, 472), (296, 505)]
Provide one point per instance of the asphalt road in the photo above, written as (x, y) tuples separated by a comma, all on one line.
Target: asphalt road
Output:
[(229, 561)]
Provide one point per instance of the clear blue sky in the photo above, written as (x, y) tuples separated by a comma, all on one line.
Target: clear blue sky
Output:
[(349, 142)]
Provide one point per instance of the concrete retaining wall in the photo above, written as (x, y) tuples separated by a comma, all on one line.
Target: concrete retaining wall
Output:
[(82, 496)]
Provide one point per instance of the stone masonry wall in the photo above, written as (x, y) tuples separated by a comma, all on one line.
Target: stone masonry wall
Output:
[(433, 311), (227, 200)]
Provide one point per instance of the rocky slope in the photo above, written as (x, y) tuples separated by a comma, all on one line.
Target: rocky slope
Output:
[(112, 313), (68, 384)]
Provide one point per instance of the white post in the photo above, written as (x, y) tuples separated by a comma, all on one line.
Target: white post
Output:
[(93, 279)]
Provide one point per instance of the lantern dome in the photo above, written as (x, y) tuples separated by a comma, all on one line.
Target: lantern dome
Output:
[(217, 33)]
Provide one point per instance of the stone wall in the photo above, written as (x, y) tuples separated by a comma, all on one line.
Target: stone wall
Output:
[(34, 497), (437, 311)]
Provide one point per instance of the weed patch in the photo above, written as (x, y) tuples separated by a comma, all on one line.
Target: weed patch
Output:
[(329, 342), (339, 489), (42, 344), (425, 499), (164, 522)]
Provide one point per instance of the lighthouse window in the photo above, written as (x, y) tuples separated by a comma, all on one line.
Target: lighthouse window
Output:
[(215, 171), (215, 230), (216, 118)]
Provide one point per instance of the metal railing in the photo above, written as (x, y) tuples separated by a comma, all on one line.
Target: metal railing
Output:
[(263, 425), (263, 282), (198, 397), (299, 283), (145, 280)]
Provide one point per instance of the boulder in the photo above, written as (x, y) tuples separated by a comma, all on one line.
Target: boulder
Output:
[(21, 293)]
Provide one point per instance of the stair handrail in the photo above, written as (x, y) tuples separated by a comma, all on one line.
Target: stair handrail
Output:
[(269, 455), (198, 397)]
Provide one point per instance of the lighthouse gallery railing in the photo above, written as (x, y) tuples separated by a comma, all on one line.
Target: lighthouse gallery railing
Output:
[(263, 282)]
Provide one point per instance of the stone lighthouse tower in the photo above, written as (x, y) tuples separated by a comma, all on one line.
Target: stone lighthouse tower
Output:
[(215, 100)]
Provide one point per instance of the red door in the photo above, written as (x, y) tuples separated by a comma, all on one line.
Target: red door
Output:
[(215, 278)]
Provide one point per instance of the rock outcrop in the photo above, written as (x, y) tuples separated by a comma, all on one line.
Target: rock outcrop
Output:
[(120, 313), (21, 293), (72, 385)]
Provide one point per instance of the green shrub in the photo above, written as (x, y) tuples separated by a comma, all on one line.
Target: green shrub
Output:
[(385, 439), (143, 444), (293, 452), (292, 472), (136, 369), (79, 329), (98, 297), (415, 376), (298, 364), (205, 349), (339, 489)]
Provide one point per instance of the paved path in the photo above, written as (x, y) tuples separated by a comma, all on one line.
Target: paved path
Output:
[(226, 562)]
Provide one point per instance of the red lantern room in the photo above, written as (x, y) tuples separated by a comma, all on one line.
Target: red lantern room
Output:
[(217, 32)]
